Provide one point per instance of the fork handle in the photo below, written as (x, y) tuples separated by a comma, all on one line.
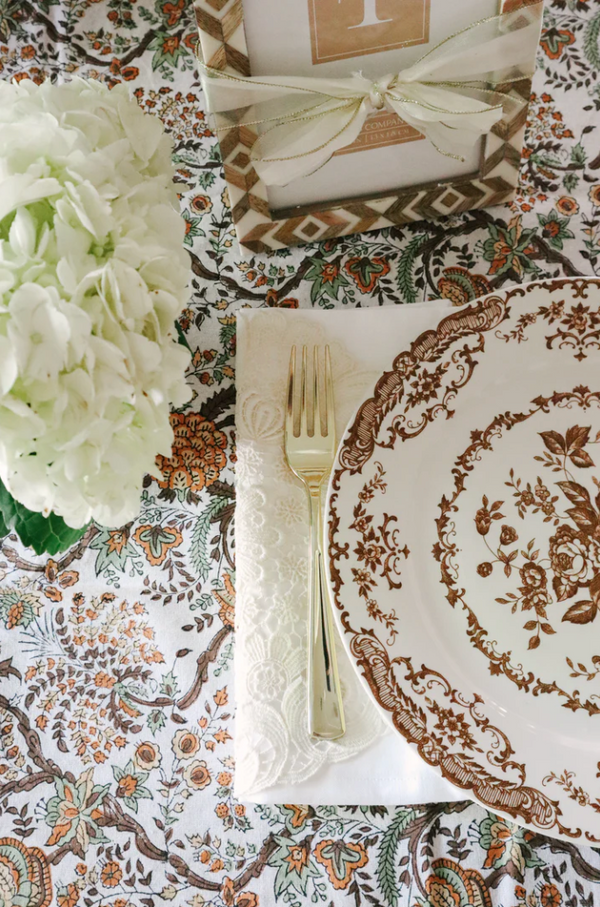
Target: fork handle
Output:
[(325, 708)]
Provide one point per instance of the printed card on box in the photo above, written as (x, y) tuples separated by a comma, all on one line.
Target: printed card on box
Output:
[(348, 29)]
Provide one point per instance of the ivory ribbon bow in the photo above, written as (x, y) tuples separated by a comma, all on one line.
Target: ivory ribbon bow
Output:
[(453, 95)]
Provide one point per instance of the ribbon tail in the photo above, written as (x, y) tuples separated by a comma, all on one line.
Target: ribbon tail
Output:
[(288, 151), (453, 122), (226, 91)]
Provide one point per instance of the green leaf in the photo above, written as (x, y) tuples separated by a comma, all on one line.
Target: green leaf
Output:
[(111, 555), (181, 338), (405, 270), (188, 158), (388, 852), (147, 15), (206, 179), (169, 685), (571, 181), (168, 50), (591, 44), (198, 550), (156, 720), (227, 333), (578, 154), (3, 527), (204, 602), (49, 535)]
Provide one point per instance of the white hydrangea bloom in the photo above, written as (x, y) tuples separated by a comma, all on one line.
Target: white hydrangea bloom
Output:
[(93, 273)]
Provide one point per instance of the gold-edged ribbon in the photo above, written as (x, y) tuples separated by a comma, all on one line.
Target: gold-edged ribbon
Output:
[(453, 95)]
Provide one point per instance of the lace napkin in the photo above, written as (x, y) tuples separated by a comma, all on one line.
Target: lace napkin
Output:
[(276, 761)]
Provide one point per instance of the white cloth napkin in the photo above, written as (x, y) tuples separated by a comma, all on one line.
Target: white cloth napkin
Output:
[(276, 761)]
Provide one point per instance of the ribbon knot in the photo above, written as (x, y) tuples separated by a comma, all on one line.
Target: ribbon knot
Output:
[(454, 95), (377, 91), (375, 97)]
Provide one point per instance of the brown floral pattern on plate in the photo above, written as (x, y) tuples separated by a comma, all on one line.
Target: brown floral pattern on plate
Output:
[(408, 371), (454, 735), (568, 568), (450, 729), (379, 548), (576, 327)]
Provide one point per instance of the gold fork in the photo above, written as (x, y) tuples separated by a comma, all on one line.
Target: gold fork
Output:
[(310, 451)]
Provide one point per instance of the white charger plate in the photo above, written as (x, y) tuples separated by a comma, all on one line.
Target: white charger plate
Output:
[(464, 551)]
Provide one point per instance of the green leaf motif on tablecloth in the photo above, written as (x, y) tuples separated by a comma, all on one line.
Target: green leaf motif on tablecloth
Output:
[(169, 685), (506, 843), (224, 661), (8, 18), (168, 49), (295, 865), (591, 41), (555, 229), (131, 787), (74, 812), (181, 338), (570, 182), (49, 535), (204, 602), (114, 548), (18, 608), (508, 247), (578, 153), (327, 278), (206, 179), (192, 228), (406, 284), (387, 874), (227, 332), (156, 720), (198, 552), (189, 158), (45, 5)]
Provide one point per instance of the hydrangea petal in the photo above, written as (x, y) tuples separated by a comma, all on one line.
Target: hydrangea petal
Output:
[(92, 275)]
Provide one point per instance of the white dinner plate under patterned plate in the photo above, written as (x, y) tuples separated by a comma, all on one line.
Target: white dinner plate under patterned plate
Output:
[(464, 551)]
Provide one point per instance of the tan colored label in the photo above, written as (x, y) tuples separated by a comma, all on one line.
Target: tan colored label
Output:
[(380, 130), (352, 28)]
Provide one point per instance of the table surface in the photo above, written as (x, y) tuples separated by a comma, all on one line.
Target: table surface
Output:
[(116, 751)]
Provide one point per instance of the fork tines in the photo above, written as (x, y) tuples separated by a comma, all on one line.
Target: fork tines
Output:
[(306, 410)]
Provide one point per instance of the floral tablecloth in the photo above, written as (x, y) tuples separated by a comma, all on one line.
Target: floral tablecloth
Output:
[(116, 718)]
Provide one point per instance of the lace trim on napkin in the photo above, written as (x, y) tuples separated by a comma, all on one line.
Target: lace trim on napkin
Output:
[(272, 744)]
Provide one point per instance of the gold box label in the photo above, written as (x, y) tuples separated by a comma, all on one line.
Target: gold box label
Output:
[(382, 129), (352, 28)]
